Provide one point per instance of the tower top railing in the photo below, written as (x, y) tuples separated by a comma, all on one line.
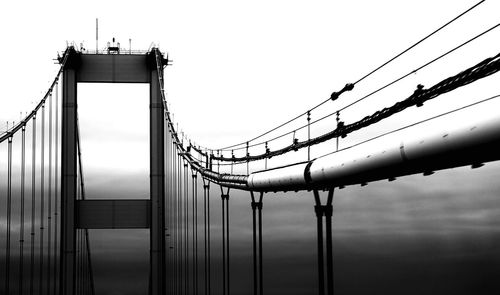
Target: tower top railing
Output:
[(121, 51)]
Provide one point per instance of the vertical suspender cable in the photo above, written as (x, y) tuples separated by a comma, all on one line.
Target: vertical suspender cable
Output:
[(21, 221), (9, 208), (205, 235), (181, 224), (248, 162), (49, 212), (261, 276), (206, 216), (227, 242), (77, 241), (33, 208), (42, 191), (175, 176), (168, 175), (78, 231), (56, 182), (186, 225), (174, 215), (208, 237), (309, 135), (173, 246), (180, 236), (223, 246), (180, 239), (195, 230), (172, 212), (166, 205)]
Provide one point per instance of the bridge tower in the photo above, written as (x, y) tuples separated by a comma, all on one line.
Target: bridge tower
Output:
[(106, 214)]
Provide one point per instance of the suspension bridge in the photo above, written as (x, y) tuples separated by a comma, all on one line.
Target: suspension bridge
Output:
[(45, 200)]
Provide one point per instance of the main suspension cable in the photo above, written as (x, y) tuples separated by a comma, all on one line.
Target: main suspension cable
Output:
[(30, 116), (358, 100), (413, 124), (336, 94), (420, 41), (419, 68), (481, 70)]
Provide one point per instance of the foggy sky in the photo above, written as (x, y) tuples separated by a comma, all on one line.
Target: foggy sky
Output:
[(247, 67)]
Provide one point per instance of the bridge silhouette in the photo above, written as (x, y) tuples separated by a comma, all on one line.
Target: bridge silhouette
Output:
[(58, 215)]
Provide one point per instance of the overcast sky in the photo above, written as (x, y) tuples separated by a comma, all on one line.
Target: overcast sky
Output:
[(240, 68)]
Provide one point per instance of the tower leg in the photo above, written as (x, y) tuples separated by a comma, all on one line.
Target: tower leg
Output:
[(68, 182), (157, 187)]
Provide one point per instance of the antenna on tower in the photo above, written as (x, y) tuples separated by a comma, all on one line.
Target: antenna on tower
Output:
[(96, 35)]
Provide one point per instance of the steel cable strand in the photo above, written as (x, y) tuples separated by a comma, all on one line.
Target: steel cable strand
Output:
[(33, 207), (196, 231), (205, 264), (49, 197), (180, 213), (21, 221), (223, 247), (32, 114), (421, 67), (42, 200), (56, 182), (195, 228), (483, 69), (208, 238), (9, 215), (176, 219), (412, 124), (167, 208), (186, 225), (193, 231), (234, 159), (349, 87), (85, 234)]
